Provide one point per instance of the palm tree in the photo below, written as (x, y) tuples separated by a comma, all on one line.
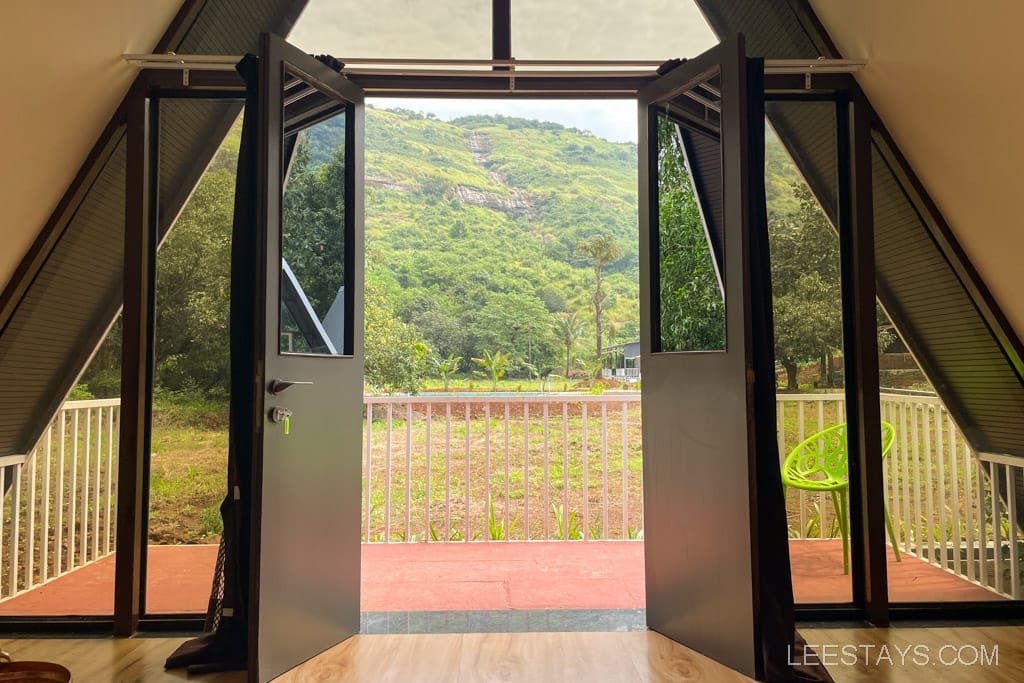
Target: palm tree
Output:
[(569, 328), (495, 364), (602, 249)]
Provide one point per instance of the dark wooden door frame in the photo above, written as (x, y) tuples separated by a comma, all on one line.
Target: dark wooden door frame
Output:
[(129, 615), (868, 569), (136, 363)]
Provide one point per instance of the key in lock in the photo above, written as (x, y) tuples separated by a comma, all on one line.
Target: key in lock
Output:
[(281, 415)]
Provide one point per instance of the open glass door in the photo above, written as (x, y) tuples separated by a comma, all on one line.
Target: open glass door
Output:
[(306, 469), (701, 194)]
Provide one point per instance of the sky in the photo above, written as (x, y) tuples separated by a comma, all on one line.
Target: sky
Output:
[(541, 29), (614, 120)]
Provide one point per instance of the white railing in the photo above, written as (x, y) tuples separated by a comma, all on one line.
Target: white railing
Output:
[(941, 495), (549, 467), (487, 468), (58, 500), (620, 373)]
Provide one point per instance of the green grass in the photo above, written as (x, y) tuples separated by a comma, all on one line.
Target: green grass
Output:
[(487, 451), (188, 470)]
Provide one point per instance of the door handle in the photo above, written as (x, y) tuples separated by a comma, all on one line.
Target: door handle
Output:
[(278, 385)]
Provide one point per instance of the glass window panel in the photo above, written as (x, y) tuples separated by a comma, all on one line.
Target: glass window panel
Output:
[(954, 515), (807, 303), (314, 305), (58, 505), (691, 297), (578, 29), (451, 29), (191, 374)]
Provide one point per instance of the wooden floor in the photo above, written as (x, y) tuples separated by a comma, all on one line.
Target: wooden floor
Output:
[(540, 657), (482, 576), (941, 646)]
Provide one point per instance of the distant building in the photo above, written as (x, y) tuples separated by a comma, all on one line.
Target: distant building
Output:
[(621, 361)]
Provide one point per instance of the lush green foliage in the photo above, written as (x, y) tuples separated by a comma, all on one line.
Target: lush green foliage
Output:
[(568, 328), (313, 225), (692, 305), (495, 364), (484, 234), (805, 284), (397, 358), (446, 367), (193, 291), (477, 222)]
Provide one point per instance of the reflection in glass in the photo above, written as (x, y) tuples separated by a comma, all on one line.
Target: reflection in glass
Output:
[(808, 336), (313, 301), (692, 302)]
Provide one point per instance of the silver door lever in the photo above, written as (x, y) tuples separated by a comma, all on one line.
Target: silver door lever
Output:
[(279, 385)]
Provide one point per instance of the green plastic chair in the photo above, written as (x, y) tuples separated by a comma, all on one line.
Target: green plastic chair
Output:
[(818, 463)]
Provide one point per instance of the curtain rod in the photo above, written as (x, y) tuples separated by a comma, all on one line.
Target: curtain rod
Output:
[(227, 62)]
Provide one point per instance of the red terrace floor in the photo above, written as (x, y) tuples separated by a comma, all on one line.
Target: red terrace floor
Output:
[(480, 576)]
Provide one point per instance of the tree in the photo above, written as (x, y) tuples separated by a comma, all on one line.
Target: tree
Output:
[(806, 289), (805, 323), (602, 250), (516, 322), (396, 355), (568, 328), (446, 367), (495, 364), (193, 285)]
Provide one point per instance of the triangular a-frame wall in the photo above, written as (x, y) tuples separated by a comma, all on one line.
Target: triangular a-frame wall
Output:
[(66, 292)]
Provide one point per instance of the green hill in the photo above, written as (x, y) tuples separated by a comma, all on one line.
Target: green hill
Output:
[(472, 228)]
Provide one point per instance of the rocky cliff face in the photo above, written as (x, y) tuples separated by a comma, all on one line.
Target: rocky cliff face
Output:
[(384, 183), (515, 202)]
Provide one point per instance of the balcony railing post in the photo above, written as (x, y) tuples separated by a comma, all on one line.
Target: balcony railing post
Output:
[(905, 460), (487, 471), (368, 471), (526, 471), (564, 533), (546, 509), (604, 471), (1011, 516), (467, 453), (13, 565), (997, 530), (30, 531), (508, 469), (625, 470), (586, 479), (387, 472), (408, 471)]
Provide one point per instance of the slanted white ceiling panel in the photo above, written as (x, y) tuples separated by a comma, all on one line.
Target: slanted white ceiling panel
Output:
[(946, 77), (62, 78)]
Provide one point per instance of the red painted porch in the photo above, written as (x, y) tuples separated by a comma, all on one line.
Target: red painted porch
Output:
[(480, 576)]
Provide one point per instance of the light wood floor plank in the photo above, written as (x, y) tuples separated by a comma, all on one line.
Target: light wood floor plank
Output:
[(534, 657), (872, 666)]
